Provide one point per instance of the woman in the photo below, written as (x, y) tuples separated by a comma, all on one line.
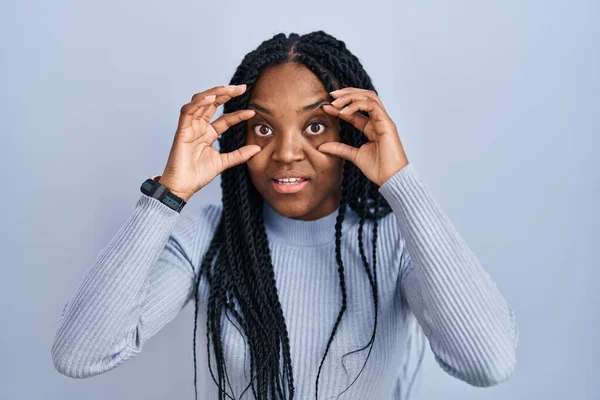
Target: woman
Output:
[(326, 251)]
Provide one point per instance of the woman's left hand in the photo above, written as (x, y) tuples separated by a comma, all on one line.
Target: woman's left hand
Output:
[(383, 155)]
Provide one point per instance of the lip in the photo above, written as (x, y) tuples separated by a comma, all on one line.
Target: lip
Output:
[(289, 174), (289, 188)]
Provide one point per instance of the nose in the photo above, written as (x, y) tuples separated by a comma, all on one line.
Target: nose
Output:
[(288, 148)]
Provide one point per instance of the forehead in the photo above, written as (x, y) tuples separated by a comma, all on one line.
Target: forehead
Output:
[(286, 84)]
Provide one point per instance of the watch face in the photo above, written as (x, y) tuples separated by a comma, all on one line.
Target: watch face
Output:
[(172, 201)]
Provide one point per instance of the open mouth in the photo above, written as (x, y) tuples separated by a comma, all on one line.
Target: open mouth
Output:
[(289, 185)]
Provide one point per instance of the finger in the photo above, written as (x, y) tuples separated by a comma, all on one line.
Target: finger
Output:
[(376, 113), (217, 90), (342, 91), (346, 99), (226, 121), (222, 98), (188, 110), (357, 120), (364, 92), (219, 93), (239, 156), (340, 149)]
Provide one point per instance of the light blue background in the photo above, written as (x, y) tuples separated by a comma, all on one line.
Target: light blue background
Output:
[(497, 105)]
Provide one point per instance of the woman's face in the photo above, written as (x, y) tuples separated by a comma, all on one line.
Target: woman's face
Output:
[(289, 125)]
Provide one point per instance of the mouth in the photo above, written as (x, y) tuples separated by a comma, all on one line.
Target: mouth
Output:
[(289, 185)]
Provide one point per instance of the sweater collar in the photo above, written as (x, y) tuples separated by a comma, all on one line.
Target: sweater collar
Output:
[(296, 232)]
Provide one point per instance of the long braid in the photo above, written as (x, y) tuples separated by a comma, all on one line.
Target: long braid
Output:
[(338, 256), (238, 265)]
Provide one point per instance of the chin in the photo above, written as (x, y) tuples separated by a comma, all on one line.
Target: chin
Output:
[(290, 209)]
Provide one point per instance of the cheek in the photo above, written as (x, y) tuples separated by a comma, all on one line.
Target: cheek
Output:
[(257, 165), (253, 166), (331, 172)]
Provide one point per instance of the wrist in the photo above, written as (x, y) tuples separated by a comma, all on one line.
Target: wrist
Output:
[(165, 183)]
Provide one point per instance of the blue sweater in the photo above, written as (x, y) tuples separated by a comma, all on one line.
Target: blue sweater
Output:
[(426, 273)]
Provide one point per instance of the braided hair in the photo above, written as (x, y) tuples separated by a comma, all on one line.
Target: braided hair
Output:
[(237, 264)]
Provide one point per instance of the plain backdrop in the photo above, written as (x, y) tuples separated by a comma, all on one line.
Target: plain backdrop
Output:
[(496, 104)]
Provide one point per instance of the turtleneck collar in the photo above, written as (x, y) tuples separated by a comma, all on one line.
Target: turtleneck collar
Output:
[(304, 233)]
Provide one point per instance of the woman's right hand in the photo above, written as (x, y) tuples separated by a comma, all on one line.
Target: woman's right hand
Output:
[(193, 162)]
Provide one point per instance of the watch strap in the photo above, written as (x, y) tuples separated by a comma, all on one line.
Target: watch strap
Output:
[(151, 187)]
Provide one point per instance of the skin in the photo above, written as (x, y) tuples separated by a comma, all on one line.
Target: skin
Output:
[(308, 142), (290, 141)]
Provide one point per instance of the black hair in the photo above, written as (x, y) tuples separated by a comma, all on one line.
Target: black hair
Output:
[(237, 264)]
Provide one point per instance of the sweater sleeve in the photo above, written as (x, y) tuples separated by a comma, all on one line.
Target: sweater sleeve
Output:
[(138, 283), (470, 326)]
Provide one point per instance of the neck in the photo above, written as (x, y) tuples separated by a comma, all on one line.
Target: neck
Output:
[(296, 232)]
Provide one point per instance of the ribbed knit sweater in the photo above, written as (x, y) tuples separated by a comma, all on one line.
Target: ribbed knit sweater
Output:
[(426, 273)]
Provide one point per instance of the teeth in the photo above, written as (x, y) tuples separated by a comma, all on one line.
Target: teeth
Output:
[(289, 180)]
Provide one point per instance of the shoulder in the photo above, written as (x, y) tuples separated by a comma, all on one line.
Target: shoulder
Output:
[(389, 234), (393, 240), (388, 229), (201, 219), (392, 233), (390, 244), (195, 230), (198, 225)]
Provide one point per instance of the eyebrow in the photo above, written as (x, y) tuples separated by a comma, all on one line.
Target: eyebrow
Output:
[(301, 110)]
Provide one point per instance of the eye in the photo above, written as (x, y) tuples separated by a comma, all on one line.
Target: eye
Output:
[(263, 130), (312, 132), (261, 134)]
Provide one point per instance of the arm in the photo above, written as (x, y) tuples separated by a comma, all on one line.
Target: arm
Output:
[(470, 326), (138, 283)]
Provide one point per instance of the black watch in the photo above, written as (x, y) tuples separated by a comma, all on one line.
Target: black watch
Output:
[(151, 187)]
